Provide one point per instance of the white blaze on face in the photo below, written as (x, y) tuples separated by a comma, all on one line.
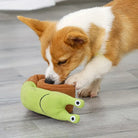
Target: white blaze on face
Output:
[(50, 73)]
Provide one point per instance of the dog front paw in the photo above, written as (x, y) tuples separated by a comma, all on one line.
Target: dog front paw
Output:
[(88, 93), (91, 91), (72, 80), (79, 80)]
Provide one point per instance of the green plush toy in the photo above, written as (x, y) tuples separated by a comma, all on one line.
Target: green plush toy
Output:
[(49, 103)]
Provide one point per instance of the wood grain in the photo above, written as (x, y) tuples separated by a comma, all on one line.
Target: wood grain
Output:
[(113, 114)]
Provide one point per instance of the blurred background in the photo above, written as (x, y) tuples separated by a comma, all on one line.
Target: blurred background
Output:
[(113, 113)]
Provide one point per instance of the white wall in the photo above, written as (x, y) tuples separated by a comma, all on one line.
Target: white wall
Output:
[(26, 5)]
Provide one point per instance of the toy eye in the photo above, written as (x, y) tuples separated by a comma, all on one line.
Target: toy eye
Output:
[(62, 62), (72, 118), (77, 103)]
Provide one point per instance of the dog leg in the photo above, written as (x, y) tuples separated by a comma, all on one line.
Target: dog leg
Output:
[(92, 90), (95, 69)]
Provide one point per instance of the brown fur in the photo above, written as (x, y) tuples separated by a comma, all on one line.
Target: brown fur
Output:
[(44, 30), (96, 37), (64, 41), (123, 36), (72, 44)]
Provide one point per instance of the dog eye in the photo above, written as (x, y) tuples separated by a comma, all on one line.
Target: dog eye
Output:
[(62, 62)]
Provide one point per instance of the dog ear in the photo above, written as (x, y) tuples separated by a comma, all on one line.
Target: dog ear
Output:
[(76, 39), (36, 25)]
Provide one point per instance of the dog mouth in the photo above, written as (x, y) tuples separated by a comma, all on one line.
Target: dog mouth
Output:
[(63, 82), (57, 81), (51, 81)]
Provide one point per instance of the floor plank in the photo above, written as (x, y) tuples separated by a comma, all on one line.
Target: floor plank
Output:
[(113, 114)]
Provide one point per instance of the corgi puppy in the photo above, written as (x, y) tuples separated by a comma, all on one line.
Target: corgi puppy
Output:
[(97, 37)]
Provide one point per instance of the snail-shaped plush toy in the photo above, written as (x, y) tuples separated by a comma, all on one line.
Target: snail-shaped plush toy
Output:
[(49, 103)]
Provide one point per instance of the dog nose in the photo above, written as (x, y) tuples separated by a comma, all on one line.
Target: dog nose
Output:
[(49, 81)]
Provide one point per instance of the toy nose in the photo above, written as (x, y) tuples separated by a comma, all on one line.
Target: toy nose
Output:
[(49, 81)]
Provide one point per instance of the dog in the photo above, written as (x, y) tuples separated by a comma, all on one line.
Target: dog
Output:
[(97, 37)]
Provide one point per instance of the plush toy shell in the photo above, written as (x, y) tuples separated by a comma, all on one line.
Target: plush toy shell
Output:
[(39, 80), (49, 103)]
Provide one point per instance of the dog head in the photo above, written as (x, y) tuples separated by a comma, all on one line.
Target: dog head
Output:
[(63, 49)]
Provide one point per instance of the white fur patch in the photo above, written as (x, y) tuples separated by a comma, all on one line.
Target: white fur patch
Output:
[(100, 16), (97, 67), (93, 70), (50, 73)]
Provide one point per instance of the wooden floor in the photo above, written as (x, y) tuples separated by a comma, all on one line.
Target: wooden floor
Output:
[(113, 114)]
